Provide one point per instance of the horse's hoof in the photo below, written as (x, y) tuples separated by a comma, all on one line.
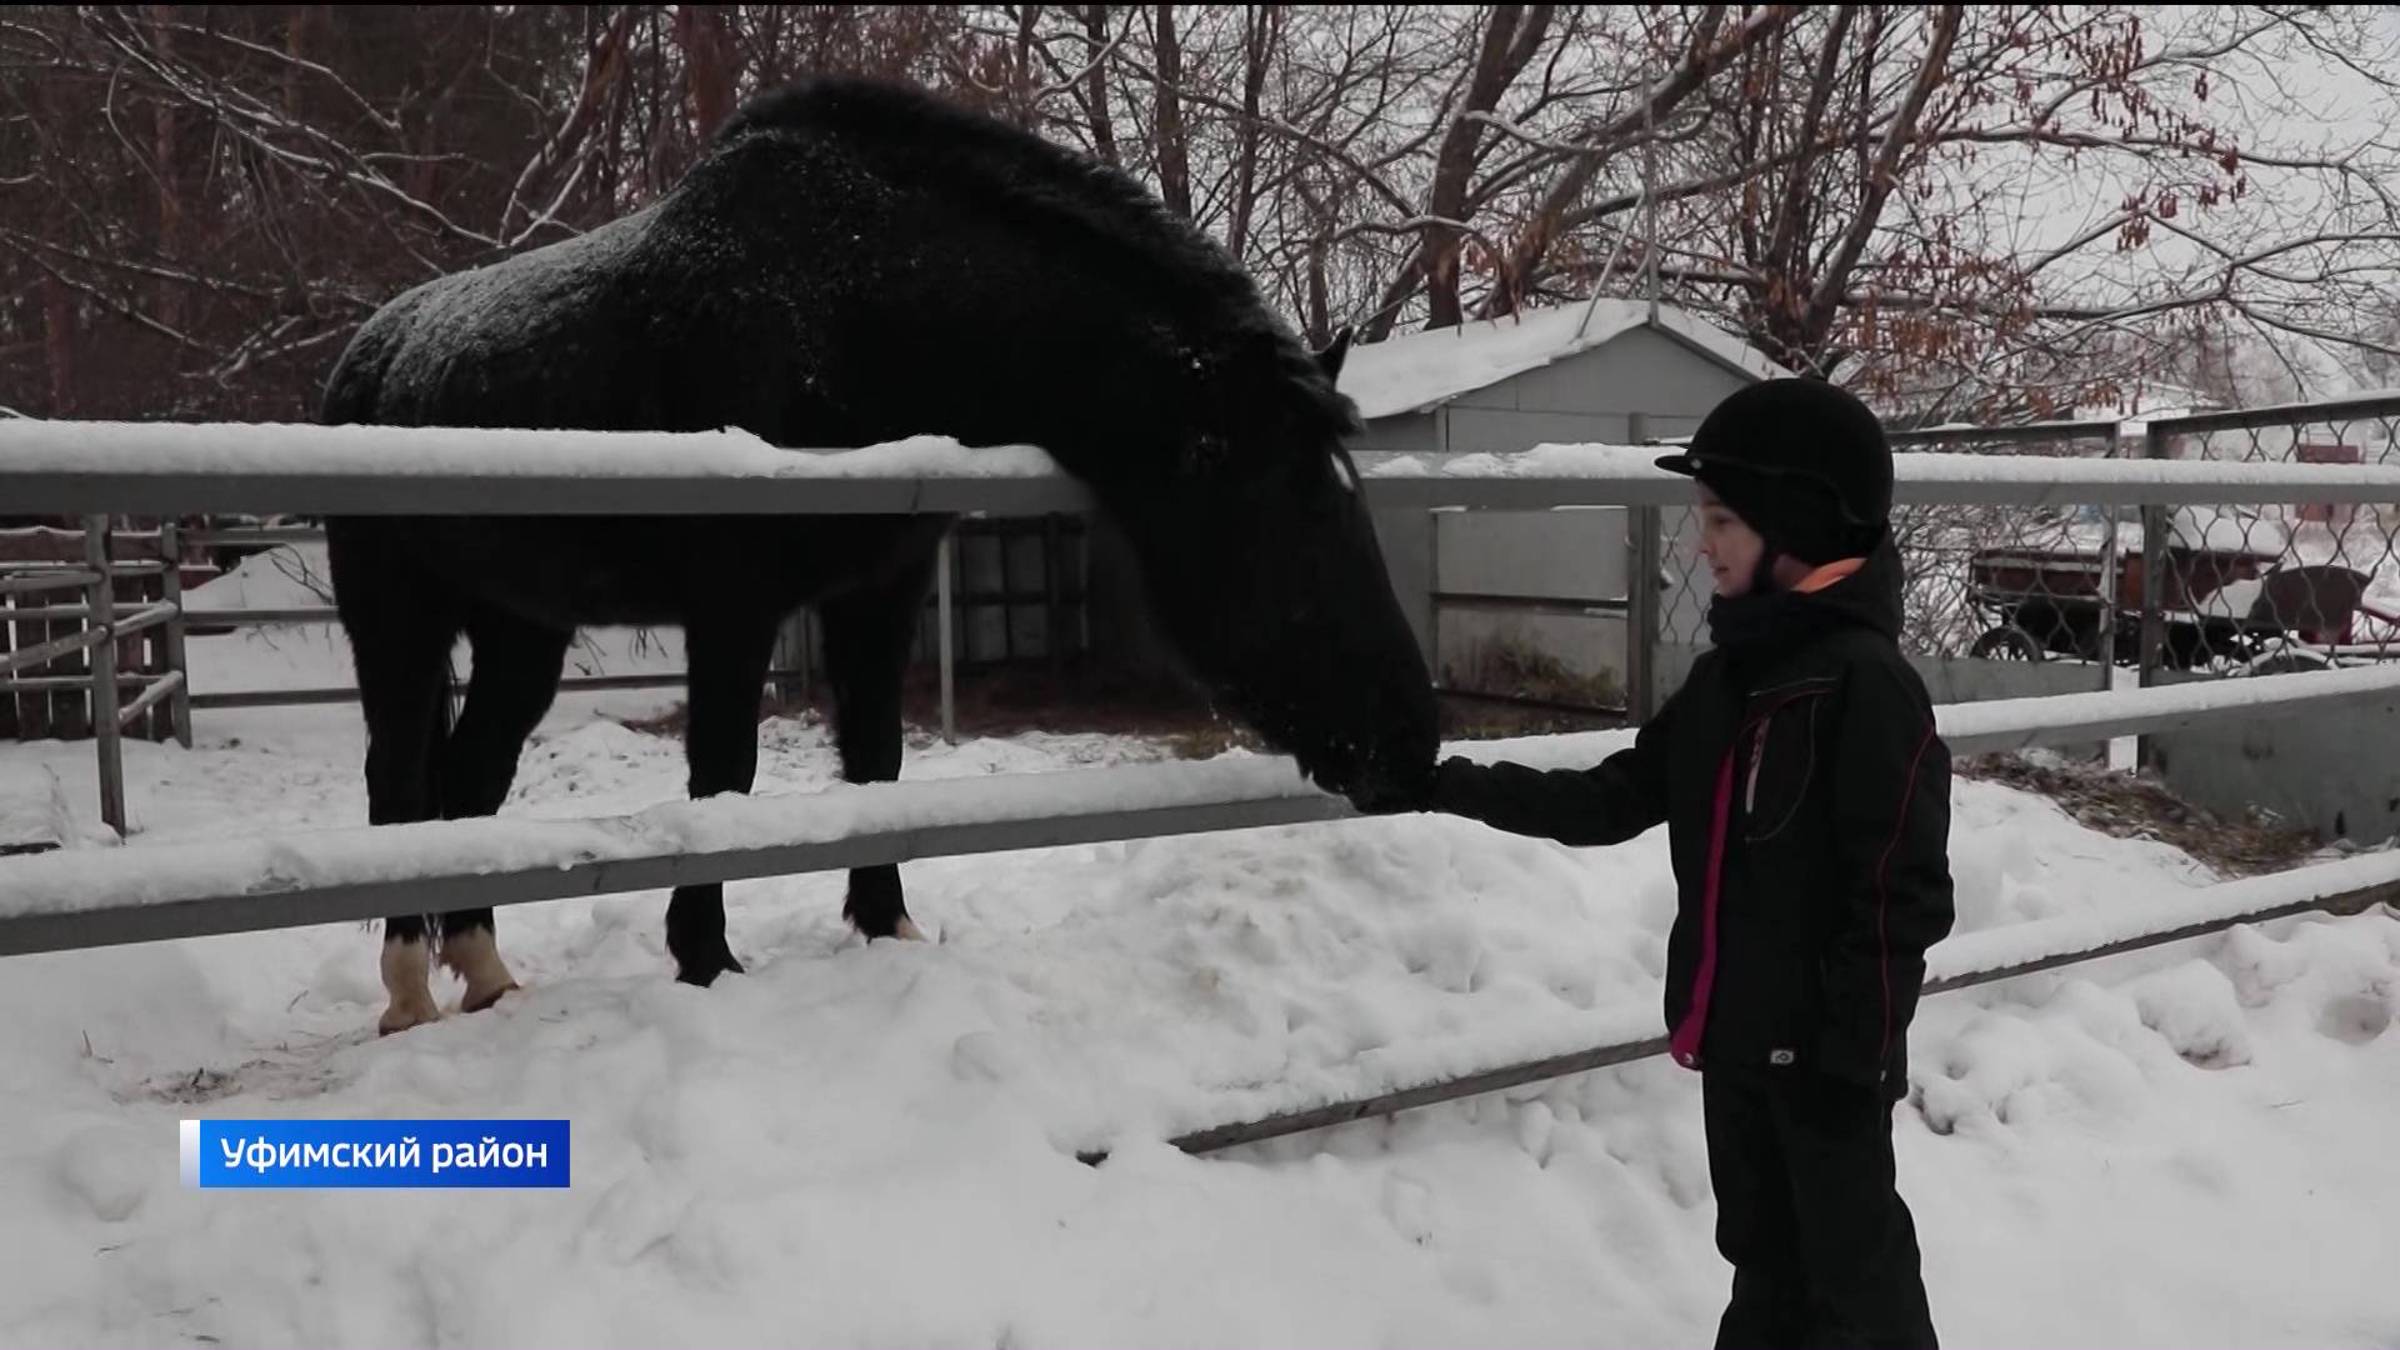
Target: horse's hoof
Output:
[(476, 1002), (404, 969), (705, 973), (402, 1016), (473, 956), (904, 931)]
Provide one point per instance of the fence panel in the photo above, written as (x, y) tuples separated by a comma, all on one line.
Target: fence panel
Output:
[(2007, 564), (2282, 587)]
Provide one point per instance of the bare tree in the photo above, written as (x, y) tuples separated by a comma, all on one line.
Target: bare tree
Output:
[(1991, 210), (1915, 205), (216, 197)]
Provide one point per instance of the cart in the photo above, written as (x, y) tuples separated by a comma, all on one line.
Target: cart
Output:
[(2045, 602), (2308, 618)]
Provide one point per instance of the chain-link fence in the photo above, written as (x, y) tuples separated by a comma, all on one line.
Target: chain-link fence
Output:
[(2019, 583), (1993, 582), (2277, 588), (2226, 590)]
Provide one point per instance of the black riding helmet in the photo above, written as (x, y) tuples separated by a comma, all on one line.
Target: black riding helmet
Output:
[(1802, 462)]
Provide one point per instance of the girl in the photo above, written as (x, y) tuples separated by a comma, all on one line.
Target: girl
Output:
[(1807, 799)]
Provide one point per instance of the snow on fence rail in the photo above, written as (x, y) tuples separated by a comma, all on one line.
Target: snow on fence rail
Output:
[(89, 898), (84, 468), (96, 469)]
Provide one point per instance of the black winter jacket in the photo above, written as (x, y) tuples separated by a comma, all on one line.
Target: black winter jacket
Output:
[(1807, 800)]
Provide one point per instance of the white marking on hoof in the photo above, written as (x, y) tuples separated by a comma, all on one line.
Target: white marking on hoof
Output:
[(908, 931), (475, 957), (405, 968)]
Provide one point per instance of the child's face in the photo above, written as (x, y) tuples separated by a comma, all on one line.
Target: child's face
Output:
[(1731, 547)]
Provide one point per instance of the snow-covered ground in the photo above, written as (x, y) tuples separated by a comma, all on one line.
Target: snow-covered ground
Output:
[(856, 1145)]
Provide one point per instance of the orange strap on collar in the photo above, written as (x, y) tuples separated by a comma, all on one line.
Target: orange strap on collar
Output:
[(1828, 574)]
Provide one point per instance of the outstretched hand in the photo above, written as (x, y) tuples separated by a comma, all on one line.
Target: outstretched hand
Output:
[(1412, 791)]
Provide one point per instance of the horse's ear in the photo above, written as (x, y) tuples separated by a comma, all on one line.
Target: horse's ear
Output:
[(1331, 357)]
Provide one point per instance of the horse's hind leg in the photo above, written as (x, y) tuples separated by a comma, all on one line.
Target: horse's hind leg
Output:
[(726, 659), (867, 635), (517, 665), (400, 629)]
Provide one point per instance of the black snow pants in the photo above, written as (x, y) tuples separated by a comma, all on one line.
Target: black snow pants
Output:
[(1824, 1252)]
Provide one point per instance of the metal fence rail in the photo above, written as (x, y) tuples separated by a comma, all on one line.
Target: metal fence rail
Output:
[(950, 609), (95, 626), (81, 469), (1964, 962), (173, 470), (103, 897), (61, 901)]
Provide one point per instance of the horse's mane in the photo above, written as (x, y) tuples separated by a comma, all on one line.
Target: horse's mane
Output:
[(1089, 204)]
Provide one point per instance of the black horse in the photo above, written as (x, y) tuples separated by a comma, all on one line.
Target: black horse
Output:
[(849, 264)]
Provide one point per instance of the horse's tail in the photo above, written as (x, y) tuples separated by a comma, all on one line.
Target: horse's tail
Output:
[(384, 612), (445, 717)]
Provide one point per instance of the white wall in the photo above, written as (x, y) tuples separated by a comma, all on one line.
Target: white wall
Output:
[(2338, 770), (1576, 554), (1569, 554)]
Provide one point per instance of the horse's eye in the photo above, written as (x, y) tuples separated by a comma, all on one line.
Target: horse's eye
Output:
[(1343, 475), (1205, 454)]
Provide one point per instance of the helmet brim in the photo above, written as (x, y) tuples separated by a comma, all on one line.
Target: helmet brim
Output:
[(1714, 469)]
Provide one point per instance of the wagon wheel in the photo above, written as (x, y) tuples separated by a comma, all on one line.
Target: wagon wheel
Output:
[(2007, 643), (2287, 659)]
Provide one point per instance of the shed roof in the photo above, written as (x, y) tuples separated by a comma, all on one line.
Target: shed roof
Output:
[(1423, 370)]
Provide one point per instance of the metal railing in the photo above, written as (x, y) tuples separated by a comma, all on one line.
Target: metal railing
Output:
[(101, 633), (89, 898), (2240, 585), (325, 614), (1967, 961), (58, 901), (61, 901), (78, 467), (2305, 586), (170, 684), (952, 607)]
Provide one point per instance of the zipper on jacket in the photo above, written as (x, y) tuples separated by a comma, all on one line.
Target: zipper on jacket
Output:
[(1683, 1042), (1758, 756)]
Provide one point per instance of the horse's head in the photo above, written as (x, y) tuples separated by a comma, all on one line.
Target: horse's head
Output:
[(1014, 291), (1262, 563)]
